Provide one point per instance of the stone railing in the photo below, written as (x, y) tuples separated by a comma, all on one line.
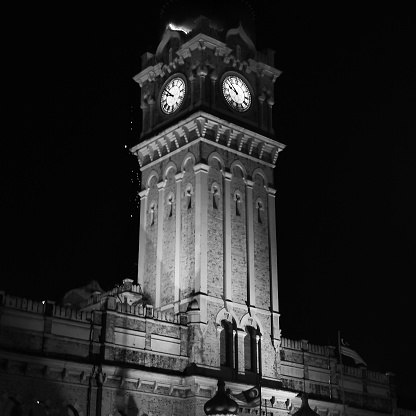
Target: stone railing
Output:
[(369, 374), (69, 313), (149, 312), (108, 302), (375, 376), (305, 345), (24, 304), (352, 371)]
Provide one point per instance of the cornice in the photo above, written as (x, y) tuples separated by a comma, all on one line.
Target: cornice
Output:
[(201, 41), (211, 129)]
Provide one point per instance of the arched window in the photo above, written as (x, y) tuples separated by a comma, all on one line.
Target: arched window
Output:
[(37, 409), (251, 349), (69, 410), (10, 407), (228, 346), (215, 195), (188, 195)]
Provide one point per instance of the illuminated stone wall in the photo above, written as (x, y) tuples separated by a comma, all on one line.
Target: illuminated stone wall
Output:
[(132, 359)]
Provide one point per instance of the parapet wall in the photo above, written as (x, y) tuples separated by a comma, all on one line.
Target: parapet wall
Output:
[(318, 369), (117, 332)]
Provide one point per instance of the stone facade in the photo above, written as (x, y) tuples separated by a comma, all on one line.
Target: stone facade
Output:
[(113, 357)]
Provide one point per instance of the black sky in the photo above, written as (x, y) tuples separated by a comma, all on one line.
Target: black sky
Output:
[(345, 107)]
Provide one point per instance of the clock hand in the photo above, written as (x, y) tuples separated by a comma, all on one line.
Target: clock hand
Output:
[(232, 87)]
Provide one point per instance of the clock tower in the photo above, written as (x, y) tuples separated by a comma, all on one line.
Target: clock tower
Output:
[(207, 150)]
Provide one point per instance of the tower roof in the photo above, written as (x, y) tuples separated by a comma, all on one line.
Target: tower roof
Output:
[(222, 14)]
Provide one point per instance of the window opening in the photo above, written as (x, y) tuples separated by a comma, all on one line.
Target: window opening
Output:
[(251, 349), (188, 192), (237, 205), (228, 346), (152, 215), (170, 208), (259, 209), (215, 197)]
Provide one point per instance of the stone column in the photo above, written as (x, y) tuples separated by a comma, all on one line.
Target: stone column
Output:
[(202, 72), (159, 262), (142, 237), (214, 78), (178, 177), (241, 363), (227, 237), (192, 88), (152, 103), (250, 244), (259, 355), (261, 99)]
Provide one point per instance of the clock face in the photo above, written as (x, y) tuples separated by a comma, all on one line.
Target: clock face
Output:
[(236, 93), (172, 95)]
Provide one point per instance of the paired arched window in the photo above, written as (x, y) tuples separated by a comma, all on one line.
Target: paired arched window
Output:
[(252, 349), (228, 345)]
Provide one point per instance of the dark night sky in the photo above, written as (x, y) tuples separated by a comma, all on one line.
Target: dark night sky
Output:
[(345, 210)]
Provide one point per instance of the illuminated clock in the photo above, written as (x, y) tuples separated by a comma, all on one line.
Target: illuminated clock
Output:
[(236, 93), (172, 95)]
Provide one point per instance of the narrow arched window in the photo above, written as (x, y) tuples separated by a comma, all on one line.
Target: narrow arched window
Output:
[(226, 344), (69, 410), (188, 196), (215, 190), (214, 197), (152, 213), (259, 211), (251, 349), (237, 199), (11, 407), (170, 205)]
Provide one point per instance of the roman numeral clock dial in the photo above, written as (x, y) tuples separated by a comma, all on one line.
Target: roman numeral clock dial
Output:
[(236, 93), (172, 95)]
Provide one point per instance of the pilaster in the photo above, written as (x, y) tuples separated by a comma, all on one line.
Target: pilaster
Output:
[(142, 237), (159, 262), (270, 103), (274, 295), (202, 72), (250, 244), (178, 177), (201, 227), (227, 237), (240, 340)]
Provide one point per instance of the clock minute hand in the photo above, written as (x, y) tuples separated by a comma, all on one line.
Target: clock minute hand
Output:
[(232, 87)]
